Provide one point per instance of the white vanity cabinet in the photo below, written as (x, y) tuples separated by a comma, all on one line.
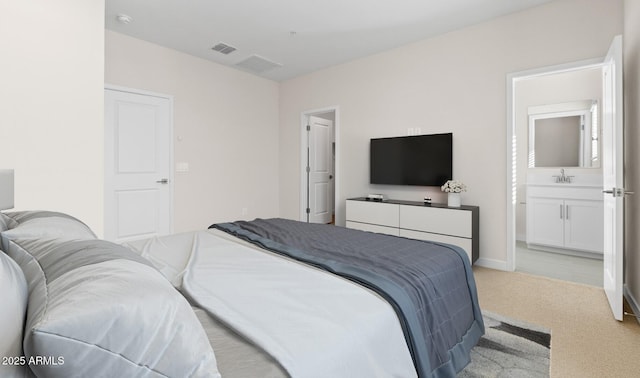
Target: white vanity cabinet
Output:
[(565, 217), (545, 221), (436, 222)]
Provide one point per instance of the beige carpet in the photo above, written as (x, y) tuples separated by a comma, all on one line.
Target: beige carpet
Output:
[(585, 339)]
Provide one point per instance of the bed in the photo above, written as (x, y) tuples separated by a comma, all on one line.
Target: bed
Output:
[(265, 298)]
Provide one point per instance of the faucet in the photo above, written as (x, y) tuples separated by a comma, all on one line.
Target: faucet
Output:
[(564, 179)]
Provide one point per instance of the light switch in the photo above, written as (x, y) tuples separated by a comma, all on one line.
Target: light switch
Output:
[(182, 167)]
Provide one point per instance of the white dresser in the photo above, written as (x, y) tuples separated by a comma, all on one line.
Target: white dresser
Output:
[(437, 222)]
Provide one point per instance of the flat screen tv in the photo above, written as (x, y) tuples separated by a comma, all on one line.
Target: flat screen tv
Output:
[(424, 160)]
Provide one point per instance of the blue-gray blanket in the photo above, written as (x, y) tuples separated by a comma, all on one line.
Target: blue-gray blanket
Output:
[(429, 284)]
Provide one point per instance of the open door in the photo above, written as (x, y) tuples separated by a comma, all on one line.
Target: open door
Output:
[(319, 170), (613, 175)]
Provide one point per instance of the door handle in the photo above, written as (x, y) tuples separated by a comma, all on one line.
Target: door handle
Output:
[(163, 181), (618, 192)]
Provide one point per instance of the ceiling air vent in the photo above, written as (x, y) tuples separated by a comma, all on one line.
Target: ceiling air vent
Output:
[(223, 48), (258, 64)]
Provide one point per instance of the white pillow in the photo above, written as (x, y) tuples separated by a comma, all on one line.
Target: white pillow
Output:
[(14, 307), (102, 310)]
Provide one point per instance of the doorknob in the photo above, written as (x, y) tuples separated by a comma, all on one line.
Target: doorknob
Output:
[(163, 181), (617, 192)]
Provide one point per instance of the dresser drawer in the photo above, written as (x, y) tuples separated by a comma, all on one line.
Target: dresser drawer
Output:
[(383, 214), (463, 243), (445, 221)]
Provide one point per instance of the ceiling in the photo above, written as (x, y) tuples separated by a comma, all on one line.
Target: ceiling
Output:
[(282, 39)]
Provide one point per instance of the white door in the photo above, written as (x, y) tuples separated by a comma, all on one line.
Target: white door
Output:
[(138, 187), (612, 167), (320, 169)]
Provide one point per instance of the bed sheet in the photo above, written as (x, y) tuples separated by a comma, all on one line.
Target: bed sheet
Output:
[(312, 322)]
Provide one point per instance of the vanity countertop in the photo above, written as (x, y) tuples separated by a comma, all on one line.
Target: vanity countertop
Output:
[(578, 179)]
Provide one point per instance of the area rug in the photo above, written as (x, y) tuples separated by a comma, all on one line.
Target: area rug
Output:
[(509, 348)]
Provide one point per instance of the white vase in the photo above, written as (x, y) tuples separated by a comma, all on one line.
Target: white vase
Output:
[(453, 200)]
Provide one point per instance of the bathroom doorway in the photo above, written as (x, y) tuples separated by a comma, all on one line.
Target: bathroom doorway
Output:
[(536, 94)]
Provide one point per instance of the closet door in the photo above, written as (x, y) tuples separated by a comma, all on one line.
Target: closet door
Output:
[(138, 185)]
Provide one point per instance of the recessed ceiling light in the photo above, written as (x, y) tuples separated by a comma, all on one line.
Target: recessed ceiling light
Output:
[(124, 19)]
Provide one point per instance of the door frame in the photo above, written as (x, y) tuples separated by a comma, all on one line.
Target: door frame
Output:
[(304, 119), (512, 145), (171, 146)]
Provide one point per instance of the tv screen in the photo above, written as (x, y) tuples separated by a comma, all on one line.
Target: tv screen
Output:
[(424, 160)]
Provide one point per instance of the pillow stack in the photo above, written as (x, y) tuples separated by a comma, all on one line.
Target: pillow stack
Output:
[(97, 309)]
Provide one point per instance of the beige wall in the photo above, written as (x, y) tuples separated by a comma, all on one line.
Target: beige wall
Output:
[(225, 127), (51, 104), (631, 43), (452, 83)]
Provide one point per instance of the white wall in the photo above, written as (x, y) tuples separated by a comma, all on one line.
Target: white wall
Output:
[(631, 43), (51, 104), (452, 83), (225, 127)]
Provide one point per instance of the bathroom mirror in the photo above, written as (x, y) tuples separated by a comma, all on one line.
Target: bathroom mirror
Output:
[(564, 135)]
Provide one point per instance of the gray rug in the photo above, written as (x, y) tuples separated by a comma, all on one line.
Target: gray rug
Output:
[(510, 349)]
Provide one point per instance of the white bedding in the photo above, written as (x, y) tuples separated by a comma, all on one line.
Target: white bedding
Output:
[(314, 323)]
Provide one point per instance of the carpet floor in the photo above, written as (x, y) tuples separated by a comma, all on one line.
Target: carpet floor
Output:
[(587, 340)]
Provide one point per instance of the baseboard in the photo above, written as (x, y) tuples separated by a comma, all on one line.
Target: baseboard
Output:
[(632, 302), (492, 264)]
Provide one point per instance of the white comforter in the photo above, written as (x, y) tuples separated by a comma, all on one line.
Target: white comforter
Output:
[(314, 323)]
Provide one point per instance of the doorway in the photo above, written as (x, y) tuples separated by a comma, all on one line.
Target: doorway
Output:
[(318, 165), (529, 92), (612, 176), (138, 164)]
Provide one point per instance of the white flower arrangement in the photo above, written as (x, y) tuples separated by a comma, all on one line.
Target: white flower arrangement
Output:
[(453, 186)]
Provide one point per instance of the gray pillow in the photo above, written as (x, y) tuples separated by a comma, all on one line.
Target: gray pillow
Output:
[(98, 309), (43, 225), (23, 216), (6, 222), (14, 306)]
